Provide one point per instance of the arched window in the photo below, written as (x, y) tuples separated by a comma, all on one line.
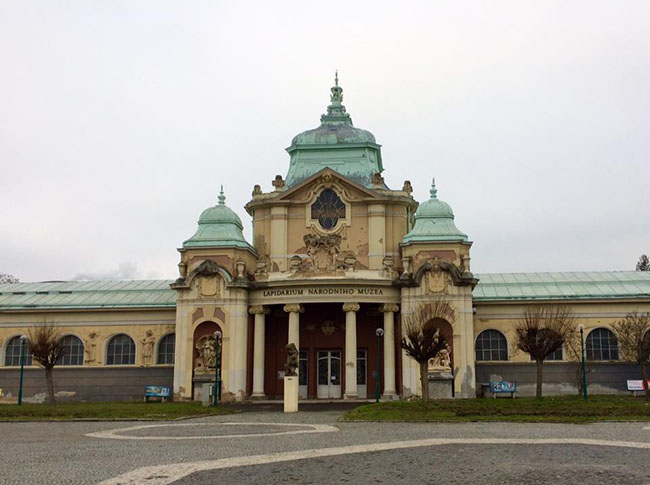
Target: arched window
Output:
[(328, 209), (602, 345), (491, 345), (166, 349), (120, 351), (74, 351), (12, 352)]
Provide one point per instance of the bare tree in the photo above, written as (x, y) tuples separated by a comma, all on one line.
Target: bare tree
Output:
[(542, 330), (643, 264), (422, 339), (47, 349), (7, 278), (633, 334)]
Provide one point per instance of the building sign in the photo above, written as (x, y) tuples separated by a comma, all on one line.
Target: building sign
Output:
[(323, 292)]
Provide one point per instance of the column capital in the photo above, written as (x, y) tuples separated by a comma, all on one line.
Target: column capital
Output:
[(294, 308), (351, 307), (388, 308), (258, 309)]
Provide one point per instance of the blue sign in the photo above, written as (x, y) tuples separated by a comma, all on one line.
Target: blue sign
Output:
[(157, 391), (503, 386)]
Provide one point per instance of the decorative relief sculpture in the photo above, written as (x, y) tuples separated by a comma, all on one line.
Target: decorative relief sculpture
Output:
[(322, 250), (278, 183), (292, 360), (437, 281), (206, 347), (377, 180), (90, 348), (327, 327), (147, 348)]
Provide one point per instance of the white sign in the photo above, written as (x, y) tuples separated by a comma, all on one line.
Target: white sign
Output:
[(635, 385)]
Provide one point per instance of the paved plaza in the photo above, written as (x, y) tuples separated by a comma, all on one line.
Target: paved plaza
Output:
[(314, 447)]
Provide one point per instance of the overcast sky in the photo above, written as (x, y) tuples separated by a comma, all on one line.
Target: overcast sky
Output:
[(120, 119)]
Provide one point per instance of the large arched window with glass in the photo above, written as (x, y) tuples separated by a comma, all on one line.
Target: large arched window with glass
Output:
[(166, 349), (74, 351), (602, 344), (120, 350), (491, 345), (328, 208), (12, 352)]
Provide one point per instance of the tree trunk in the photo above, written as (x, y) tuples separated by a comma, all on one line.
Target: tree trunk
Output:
[(644, 373), (424, 379), (538, 392), (50, 385)]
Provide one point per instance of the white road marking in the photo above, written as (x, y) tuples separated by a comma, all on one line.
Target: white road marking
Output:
[(113, 433), (165, 474)]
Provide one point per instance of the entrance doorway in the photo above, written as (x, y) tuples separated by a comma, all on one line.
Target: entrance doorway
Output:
[(329, 374)]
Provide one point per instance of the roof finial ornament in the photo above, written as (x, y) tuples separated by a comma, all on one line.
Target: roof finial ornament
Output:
[(221, 198), (433, 192), (336, 77)]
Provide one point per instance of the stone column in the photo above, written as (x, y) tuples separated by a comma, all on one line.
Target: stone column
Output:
[(294, 310), (389, 310), (351, 310), (260, 312)]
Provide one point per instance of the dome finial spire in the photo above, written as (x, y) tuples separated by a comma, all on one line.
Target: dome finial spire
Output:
[(221, 198), (336, 77), (433, 192)]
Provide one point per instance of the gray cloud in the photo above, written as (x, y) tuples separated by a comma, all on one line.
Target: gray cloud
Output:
[(120, 120)]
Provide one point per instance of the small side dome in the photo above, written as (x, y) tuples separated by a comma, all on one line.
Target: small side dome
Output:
[(434, 221), (218, 226)]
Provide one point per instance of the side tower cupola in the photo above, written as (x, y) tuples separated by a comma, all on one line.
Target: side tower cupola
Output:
[(219, 226), (434, 221)]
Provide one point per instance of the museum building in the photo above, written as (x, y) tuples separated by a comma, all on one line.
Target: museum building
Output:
[(338, 261)]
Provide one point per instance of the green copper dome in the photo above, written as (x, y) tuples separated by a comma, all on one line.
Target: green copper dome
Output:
[(336, 144), (434, 221), (218, 226)]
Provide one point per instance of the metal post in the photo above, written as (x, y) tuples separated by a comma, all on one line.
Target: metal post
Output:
[(217, 351), (23, 341), (584, 368), (380, 334)]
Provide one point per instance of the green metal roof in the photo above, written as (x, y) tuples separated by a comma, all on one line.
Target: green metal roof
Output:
[(87, 295), (337, 144), (562, 286)]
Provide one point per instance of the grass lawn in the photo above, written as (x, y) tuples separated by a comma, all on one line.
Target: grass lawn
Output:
[(106, 410), (554, 409)]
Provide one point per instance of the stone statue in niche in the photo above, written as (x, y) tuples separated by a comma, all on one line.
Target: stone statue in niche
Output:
[(147, 348), (207, 353), (442, 361), (292, 360)]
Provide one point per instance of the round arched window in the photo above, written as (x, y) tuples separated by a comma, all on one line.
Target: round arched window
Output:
[(120, 351), (328, 209), (602, 345), (491, 345)]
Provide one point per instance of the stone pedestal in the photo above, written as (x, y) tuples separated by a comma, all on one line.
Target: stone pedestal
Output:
[(291, 394), (441, 385)]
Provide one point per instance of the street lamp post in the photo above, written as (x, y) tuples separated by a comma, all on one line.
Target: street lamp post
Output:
[(23, 344), (584, 367), (380, 334), (217, 351)]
